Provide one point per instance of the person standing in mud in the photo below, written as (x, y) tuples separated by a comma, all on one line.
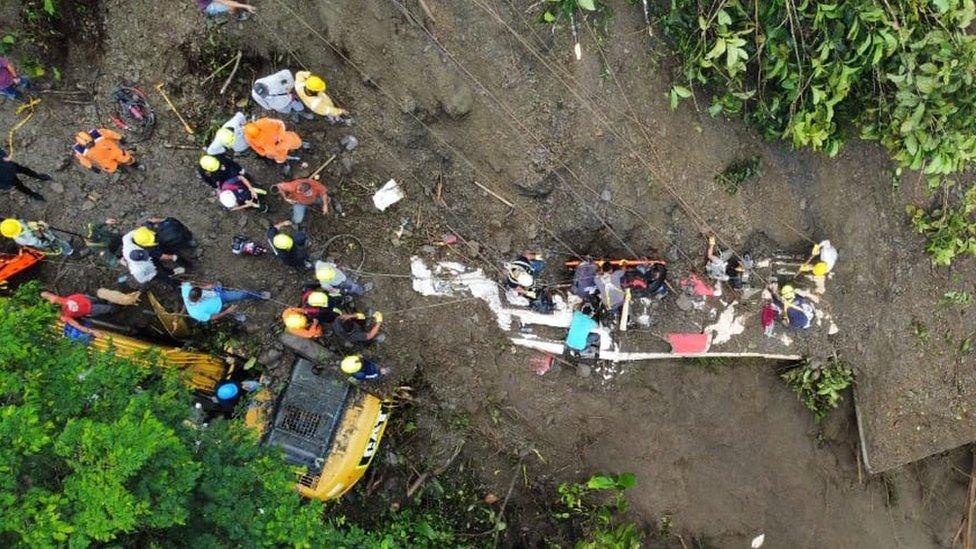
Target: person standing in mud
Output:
[(9, 170)]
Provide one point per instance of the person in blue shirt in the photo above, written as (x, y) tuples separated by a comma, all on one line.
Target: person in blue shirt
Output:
[(360, 369), (578, 338), (209, 302)]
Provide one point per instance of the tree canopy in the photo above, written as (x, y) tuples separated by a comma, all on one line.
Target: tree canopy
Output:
[(97, 449)]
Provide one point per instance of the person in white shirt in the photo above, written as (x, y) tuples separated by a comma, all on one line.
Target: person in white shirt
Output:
[(823, 257), (276, 92), (230, 136)]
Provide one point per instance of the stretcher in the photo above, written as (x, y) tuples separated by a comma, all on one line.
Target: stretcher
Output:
[(14, 264)]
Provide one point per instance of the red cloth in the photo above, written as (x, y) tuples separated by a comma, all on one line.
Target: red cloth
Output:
[(684, 344), (698, 285), (769, 315), (74, 306)]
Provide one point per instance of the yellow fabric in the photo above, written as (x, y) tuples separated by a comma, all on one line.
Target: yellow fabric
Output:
[(321, 104)]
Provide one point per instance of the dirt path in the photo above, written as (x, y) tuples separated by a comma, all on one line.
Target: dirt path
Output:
[(725, 454)]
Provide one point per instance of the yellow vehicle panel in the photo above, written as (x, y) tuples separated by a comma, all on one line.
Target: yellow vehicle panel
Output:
[(355, 444), (200, 371)]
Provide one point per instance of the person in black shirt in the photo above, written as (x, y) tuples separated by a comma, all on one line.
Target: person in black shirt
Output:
[(8, 176), (289, 248), (216, 169)]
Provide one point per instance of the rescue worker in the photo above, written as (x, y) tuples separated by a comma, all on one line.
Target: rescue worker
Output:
[(298, 323), (584, 280), (141, 266), (105, 239), (270, 139), (76, 307), (336, 282), (360, 369), (11, 83), (521, 279), (171, 235), (208, 302), (580, 338), (609, 284), (311, 91), (318, 305), (359, 329), (302, 193), (147, 238), (276, 92), (9, 170), (289, 248), (794, 311), (647, 280), (35, 234), (238, 194), (215, 169), (99, 150), (823, 257), (727, 267), (230, 137)]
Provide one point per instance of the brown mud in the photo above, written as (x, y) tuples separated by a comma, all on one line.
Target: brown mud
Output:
[(725, 452)]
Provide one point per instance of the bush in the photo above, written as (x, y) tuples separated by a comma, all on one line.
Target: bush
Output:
[(819, 385), (949, 231), (814, 73), (595, 508)]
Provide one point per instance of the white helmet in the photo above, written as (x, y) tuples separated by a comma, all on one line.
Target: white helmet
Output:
[(520, 276), (227, 199)]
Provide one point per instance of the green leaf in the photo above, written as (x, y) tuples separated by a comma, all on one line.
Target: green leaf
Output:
[(626, 480), (548, 17), (717, 50), (682, 91), (723, 18), (600, 482), (588, 5), (50, 7), (714, 109)]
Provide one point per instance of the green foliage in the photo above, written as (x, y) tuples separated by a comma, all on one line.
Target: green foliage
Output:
[(949, 231), (599, 519), (819, 385), (738, 172), (98, 450), (567, 8), (956, 298), (898, 72)]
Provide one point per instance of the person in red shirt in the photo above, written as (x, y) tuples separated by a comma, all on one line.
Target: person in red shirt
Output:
[(302, 193), (76, 307)]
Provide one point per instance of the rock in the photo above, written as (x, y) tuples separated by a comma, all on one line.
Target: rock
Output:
[(474, 247), (408, 105), (269, 356), (605, 195), (348, 163), (87, 205), (56, 187), (583, 370), (503, 241), (242, 222), (264, 222), (429, 250), (349, 142), (531, 231), (803, 203), (459, 101)]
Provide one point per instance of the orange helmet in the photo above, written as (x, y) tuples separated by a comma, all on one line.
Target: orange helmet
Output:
[(251, 129)]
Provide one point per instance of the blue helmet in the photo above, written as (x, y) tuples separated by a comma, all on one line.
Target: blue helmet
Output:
[(227, 391)]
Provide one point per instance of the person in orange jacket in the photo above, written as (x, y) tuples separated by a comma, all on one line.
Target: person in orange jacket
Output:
[(268, 138), (99, 150)]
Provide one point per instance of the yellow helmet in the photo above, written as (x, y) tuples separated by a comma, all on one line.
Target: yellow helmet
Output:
[(318, 299), (314, 84), (352, 364), (11, 228), (209, 163), (787, 292), (295, 320), (144, 236), (282, 241), (226, 137), (325, 273), (820, 269)]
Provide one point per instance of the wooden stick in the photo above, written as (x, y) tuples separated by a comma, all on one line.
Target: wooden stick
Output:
[(233, 71), (220, 68), (315, 175), (625, 312), (970, 504), (186, 126), (427, 11), (494, 194)]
